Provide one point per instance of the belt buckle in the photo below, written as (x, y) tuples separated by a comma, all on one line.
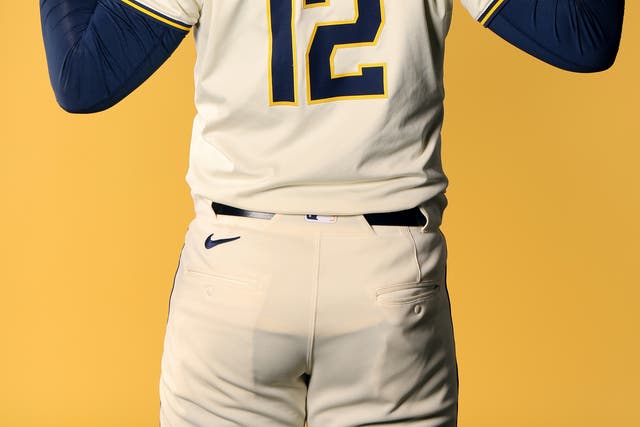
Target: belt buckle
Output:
[(326, 219)]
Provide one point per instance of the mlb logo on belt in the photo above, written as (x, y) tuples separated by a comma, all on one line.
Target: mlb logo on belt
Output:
[(321, 218)]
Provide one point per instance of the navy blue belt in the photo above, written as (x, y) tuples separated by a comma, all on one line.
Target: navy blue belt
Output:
[(408, 217)]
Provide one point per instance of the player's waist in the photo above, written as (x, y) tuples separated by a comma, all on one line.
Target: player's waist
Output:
[(409, 217), (427, 216)]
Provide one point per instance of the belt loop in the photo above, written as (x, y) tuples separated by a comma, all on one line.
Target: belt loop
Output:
[(215, 215), (426, 216)]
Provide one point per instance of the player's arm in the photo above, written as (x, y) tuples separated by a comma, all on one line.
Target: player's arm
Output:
[(99, 51), (575, 35)]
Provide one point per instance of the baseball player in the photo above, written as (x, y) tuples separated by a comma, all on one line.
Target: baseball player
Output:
[(312, 282)]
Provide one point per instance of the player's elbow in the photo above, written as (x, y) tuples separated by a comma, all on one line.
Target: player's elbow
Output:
[(73, 105), (595, 59), (80, 85), (79, 96), (579, 36), (598, 41), (570, 55)]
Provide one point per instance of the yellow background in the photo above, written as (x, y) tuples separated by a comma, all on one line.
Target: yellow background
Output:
[(542, 229)]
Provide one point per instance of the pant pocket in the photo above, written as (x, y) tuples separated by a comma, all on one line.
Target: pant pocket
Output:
[(415, 367), (407, 293)]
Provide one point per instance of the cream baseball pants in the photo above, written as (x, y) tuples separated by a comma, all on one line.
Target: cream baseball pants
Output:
[(285, 321)]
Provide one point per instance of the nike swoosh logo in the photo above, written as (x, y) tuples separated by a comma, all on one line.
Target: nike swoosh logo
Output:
[(209, 242)]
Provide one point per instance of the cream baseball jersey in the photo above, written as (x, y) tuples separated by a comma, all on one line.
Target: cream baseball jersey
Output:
[(316, 106), (326, 107)]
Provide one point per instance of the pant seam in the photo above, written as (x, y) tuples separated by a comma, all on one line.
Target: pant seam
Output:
[(314, 308)]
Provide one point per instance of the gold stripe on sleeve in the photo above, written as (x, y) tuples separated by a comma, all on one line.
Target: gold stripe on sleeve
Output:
[(155, 16), (491, 12)]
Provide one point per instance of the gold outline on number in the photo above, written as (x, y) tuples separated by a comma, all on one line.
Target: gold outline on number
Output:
[(360, 66), (305, 5)]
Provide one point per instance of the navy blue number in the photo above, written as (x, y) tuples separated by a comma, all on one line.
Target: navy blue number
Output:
[(282, 80), (368, 81), (323, 83)]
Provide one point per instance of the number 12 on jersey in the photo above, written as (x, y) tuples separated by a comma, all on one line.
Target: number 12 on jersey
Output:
[(323, 83)]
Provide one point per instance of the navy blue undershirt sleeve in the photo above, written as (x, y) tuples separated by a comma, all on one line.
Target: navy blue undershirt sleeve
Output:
[(99, 51), (575, 35)]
